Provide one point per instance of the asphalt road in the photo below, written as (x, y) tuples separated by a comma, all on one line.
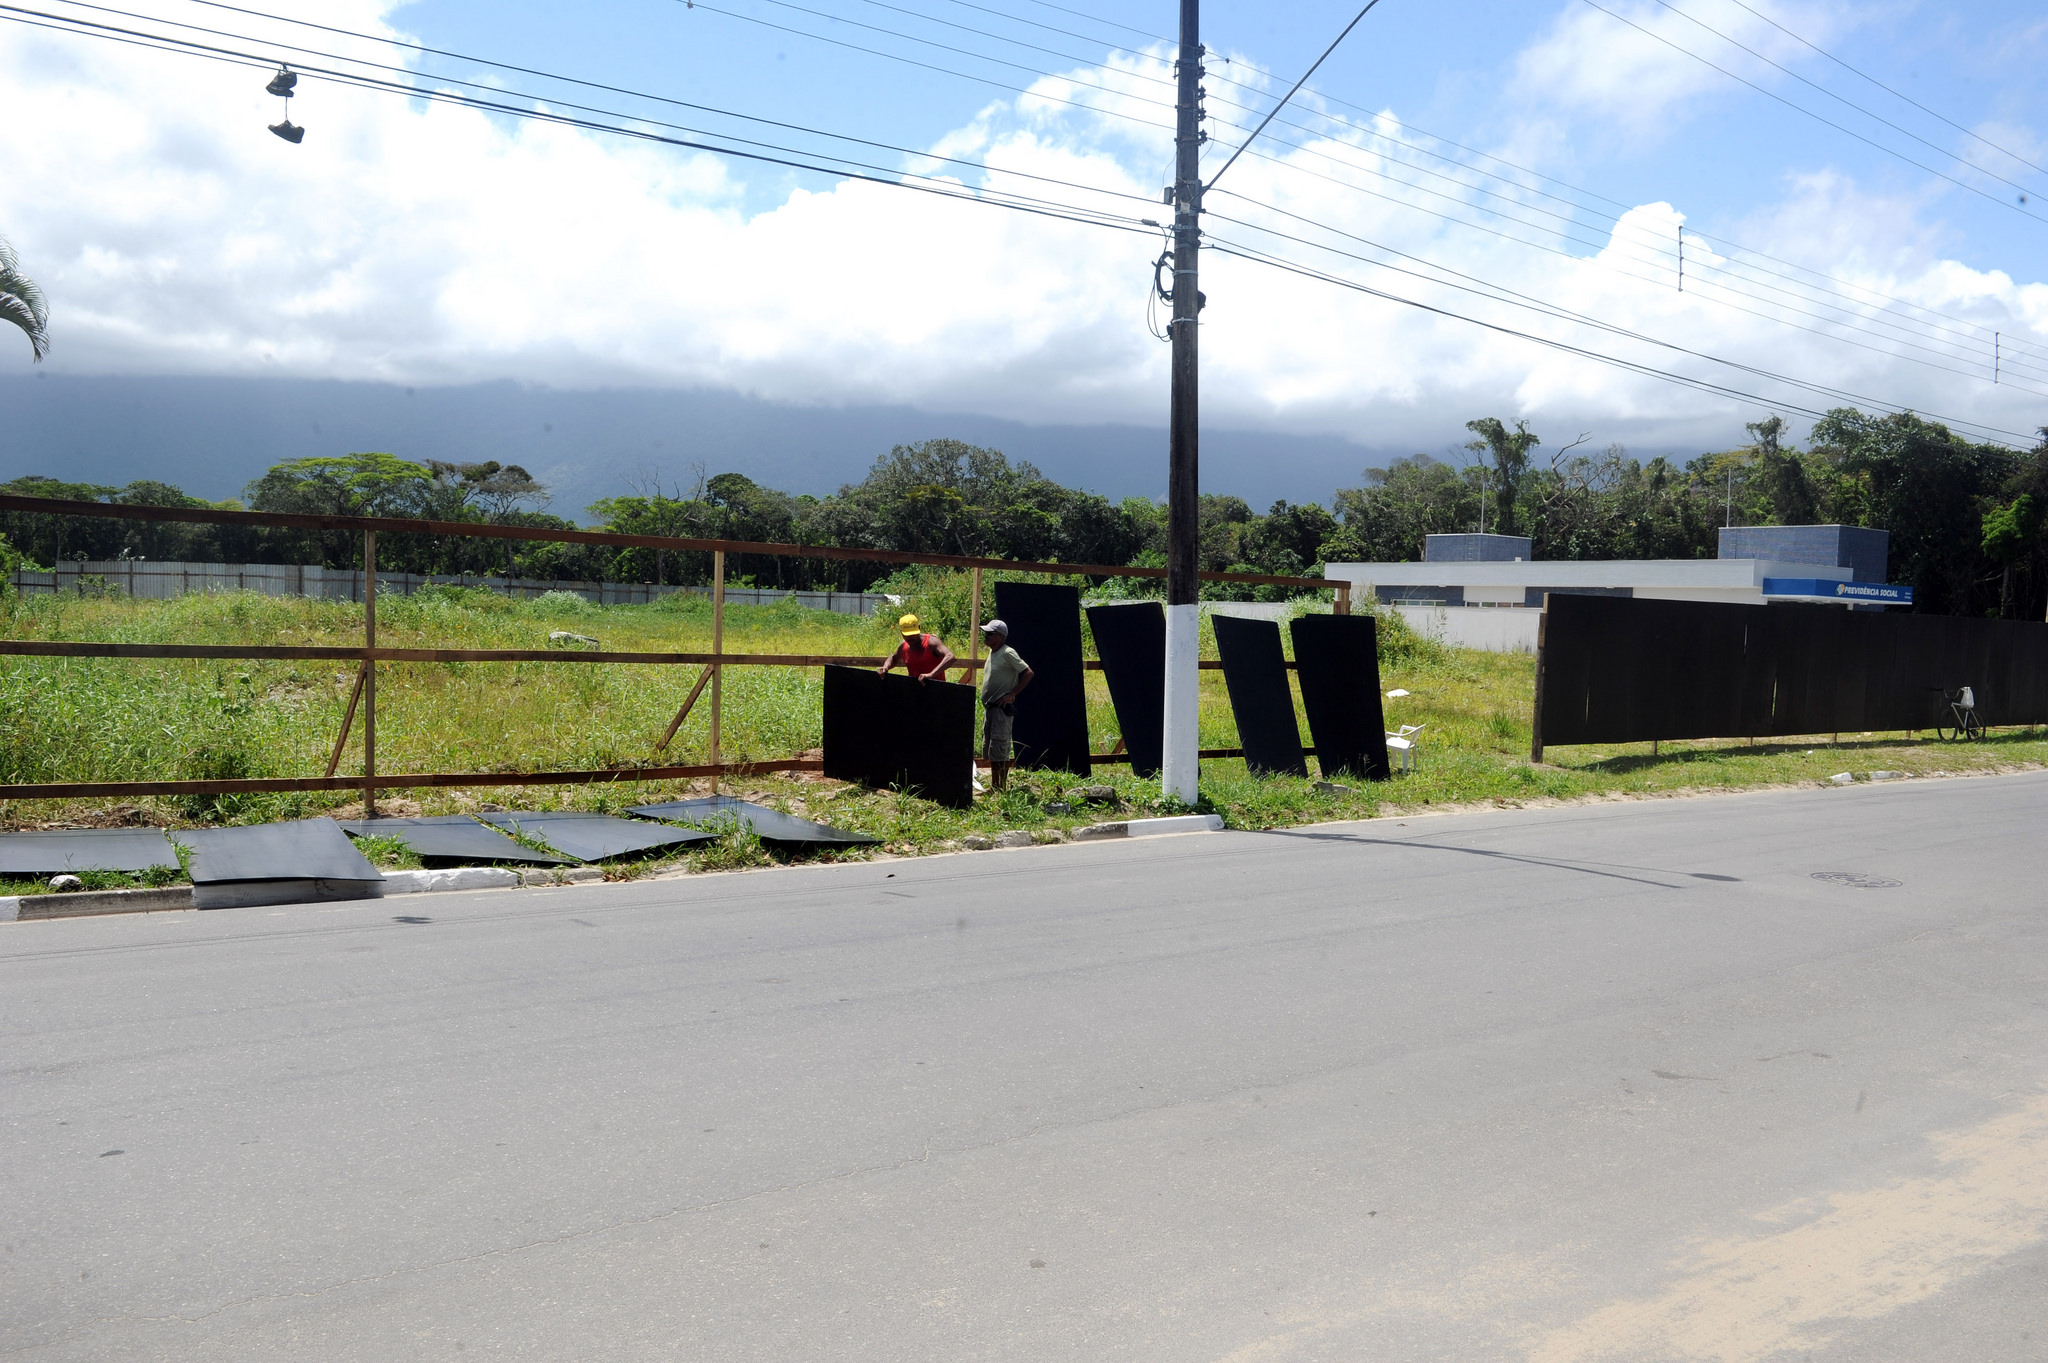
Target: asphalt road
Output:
[(1611, 1082)]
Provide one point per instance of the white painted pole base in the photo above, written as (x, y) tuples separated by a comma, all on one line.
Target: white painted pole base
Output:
[(1180, 773)]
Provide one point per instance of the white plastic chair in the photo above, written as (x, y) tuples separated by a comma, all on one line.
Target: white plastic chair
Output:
[(1402, 745)]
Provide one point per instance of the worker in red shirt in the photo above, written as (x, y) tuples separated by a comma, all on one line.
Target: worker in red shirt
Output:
[(921, 654)]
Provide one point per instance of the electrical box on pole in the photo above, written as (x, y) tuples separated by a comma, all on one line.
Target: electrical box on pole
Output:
[(1180, 773)]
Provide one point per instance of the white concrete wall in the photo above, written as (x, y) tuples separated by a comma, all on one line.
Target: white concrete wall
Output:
[(1501, 629)]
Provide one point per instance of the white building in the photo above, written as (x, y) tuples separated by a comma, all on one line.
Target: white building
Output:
[(1484, 591)]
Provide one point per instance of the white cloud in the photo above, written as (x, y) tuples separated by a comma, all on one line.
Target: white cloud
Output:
[(424, 243)]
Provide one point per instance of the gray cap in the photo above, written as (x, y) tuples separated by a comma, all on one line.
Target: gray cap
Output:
[(995, 627)]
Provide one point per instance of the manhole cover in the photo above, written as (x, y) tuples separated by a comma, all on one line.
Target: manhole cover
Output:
[(1855, 880)]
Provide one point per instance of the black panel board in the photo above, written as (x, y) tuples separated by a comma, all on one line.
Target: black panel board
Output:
[(1339, 667), (1131, 642), (304, 849), (85, 849), (769, 825), (450, 838), (1618, 671), (883, 730), (1051, 728), (1255, 673), (593, 837)]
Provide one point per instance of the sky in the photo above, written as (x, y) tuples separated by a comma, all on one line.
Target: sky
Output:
[(1511, 174)]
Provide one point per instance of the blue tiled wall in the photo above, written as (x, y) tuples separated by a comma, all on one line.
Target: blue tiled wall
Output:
[(1865, 553), (1475, 548)]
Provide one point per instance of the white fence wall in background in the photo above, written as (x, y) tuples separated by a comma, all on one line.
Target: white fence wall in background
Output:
[(1495, 629), (160, 581)]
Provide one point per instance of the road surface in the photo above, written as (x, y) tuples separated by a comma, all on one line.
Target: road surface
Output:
[(1623, 1081)]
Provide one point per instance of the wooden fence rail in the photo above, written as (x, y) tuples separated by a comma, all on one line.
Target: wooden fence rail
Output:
[(364, 696)]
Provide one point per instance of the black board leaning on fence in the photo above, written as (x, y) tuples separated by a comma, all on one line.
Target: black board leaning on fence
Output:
[(880, 731), (1338, 661), (1131, 642), (1051, 728), (1255, 673), (1619, 670)]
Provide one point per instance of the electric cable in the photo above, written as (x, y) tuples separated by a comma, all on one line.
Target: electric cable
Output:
[(1818, 118), (572, 80), (1840, 99), (1896, 94), (186, 47)]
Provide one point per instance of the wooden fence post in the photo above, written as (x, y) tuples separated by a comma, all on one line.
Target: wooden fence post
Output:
[(1536, 711), (717, 648), (369, 674), (974, 628), (1343, 602)]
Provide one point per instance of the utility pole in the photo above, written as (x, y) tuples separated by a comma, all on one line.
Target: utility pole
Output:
[(1181, 765)]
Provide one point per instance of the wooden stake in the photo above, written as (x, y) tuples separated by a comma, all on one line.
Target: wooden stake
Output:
[(348, 720), (684, 713), (1343, 604), (717, 649), (369, 674)]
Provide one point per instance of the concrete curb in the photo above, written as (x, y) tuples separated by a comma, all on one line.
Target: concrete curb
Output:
[(1145, 828), (88, 903)]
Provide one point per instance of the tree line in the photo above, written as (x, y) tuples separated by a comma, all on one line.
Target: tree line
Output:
[(1968, 521)]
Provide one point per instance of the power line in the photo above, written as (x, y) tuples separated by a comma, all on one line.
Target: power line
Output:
[(1254, 135), (573, 80), (1039, 207), (1818, 118), (1849, 103), (1280, 263), (1896, 94), (862, 171), (1490, 285)]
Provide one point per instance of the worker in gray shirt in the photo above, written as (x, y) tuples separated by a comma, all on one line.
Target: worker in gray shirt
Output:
[(1003, 679)]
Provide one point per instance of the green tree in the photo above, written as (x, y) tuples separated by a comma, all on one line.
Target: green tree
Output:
[(1509, 451), (22, 303)]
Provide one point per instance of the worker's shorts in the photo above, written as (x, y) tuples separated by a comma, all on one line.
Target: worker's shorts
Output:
[(995, 733)]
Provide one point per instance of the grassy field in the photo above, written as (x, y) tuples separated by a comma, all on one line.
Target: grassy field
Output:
[(105, 720)]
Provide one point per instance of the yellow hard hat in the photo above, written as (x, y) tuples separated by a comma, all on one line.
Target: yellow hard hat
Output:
[(908, 624)]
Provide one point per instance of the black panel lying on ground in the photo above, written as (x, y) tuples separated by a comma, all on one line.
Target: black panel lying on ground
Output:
[(885, 731), (1621, 671), (769, 825), (1131, 641), (592, 837), (1255, 672), (305, 861), (450, 837), (56, 851), (1052, 715), (1338, 659)]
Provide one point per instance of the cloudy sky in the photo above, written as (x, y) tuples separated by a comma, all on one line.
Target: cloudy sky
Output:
[(1531, 167)]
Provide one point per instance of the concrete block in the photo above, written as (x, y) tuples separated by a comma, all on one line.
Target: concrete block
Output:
[(1179, 823), (1887, 776), (1016, 837), (10, 908), (1098, 831), (1331, 788), (1842, 778), (452, 878), (977, 842), (569, 875)]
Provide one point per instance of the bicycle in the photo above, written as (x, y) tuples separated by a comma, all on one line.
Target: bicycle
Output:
[(1962, 707)]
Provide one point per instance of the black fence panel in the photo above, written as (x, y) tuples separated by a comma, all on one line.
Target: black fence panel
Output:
[(1631, 670), (1051, 727), (1338, 661), (1255, 673), (1131, 641), (884, 731)]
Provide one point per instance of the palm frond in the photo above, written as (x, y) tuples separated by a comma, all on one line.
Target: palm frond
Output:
[(21, 302), (13, 308)]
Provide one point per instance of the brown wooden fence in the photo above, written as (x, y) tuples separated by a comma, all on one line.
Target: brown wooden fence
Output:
[(363, 698)]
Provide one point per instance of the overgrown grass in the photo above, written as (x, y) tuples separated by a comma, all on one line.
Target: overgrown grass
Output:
[(98, 719)]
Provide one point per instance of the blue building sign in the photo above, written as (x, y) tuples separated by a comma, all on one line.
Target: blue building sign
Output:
[(1825, 589)]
